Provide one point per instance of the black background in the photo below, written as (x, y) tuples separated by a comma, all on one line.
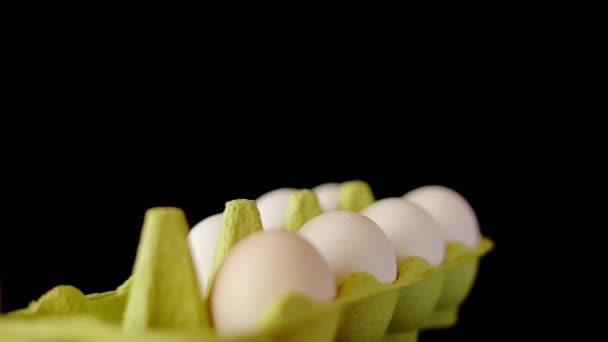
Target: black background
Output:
[(107, 142), (97, 127)]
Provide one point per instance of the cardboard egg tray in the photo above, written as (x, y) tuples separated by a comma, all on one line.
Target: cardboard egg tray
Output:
[(161, 301)]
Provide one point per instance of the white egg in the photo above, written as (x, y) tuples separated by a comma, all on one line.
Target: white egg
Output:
[(456, 218), (351, 242), (411, 230), (260, 268), (272, 206), (328, 195), (202, 240)]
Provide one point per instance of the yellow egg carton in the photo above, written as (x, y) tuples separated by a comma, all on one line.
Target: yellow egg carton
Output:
[(161, 301)]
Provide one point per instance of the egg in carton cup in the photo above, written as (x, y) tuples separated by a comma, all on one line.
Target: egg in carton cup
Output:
[(169, 299)]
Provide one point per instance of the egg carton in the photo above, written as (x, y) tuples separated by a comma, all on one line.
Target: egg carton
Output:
[(161, 301)]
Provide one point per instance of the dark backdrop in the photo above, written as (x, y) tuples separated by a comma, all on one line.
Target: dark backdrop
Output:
[(80, 163), (75, 218)]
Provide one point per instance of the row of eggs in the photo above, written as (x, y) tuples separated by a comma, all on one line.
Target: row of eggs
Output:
[(326, 249)]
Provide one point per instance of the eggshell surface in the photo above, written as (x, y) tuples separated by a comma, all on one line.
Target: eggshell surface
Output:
[(202, 240), (411, 230), (351, 242), (258, 269), (455, 215), (328, 195), (272, 206)]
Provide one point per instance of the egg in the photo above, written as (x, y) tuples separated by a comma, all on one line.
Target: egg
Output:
[(328, 195), (260, 268), (272, 206), (455, 215), (411, 230), (202, 240), (351, 242)]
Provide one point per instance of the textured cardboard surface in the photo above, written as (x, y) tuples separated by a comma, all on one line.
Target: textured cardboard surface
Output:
[(301, 207), (355, 195), (66, 300), (240, 218), (365, 319), (460, 272), (164, 291)]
